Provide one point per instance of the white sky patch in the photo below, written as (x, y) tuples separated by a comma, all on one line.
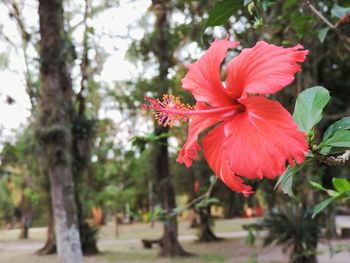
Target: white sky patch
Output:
[(12, 116), (173, 145), (112, 31), (190, 50)]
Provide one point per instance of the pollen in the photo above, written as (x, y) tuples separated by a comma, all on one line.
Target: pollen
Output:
[(169, 111)]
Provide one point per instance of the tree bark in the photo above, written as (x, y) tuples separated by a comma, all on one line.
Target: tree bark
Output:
[(26, 220), (234, 204), (82, 130), (55, 128), (50, 245), (170, 244), (206, 233), (26, 209)]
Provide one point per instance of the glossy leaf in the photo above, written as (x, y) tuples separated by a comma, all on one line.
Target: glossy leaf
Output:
[(247, 2), (321, 206), (338, 11), (222, 11), (322, 33), (286, 179), (339, 139), (342, 124), (341, 185), (317, 186), (309, 107)]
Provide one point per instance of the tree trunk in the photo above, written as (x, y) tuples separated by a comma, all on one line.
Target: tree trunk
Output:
[(55, 128), (81, 151), (193, 218), (299, 257), (26, 220), (26, 210), (50, 244), (234, 205), (206, 233), (170, 244), (82, 138)]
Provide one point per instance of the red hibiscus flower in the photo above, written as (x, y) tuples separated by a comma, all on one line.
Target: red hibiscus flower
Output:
[(250, 136)]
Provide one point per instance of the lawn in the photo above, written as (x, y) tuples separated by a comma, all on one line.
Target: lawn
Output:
[(128, 248)]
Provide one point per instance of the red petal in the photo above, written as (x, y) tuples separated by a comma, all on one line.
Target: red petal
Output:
[(213, 144), (263, 69), (198, 124), (203, 78), (260, 140)]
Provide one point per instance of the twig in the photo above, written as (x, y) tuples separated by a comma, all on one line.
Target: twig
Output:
[(337, 116), (319, 14), (26, 40), (345, 39), (194, 201), (334, 160)]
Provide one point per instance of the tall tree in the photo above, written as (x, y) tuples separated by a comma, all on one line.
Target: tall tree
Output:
[(83, 135), (55, 128), (170, 244)]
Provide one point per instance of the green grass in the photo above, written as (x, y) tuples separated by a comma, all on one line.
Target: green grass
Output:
[(136, 231), (229, 250)]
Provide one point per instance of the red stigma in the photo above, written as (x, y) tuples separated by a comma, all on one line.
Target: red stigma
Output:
[(169, 111)]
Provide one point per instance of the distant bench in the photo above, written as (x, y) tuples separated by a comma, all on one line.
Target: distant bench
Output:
[(148, 243), (342, 222)]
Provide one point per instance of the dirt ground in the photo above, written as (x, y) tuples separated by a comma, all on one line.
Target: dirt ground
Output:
[(127, 247)]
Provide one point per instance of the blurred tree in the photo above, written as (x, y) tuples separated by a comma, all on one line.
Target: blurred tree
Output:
[(54, 132), (161, 50), (22, 169)]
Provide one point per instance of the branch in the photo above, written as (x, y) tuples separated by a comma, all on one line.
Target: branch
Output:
[(345, 39), (194, 201), (320, 15), (337, 116), (15, 13), (26, 38), (334, 160), (84, 66)]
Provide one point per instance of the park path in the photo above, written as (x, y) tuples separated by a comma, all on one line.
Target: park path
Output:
[(35, 245)]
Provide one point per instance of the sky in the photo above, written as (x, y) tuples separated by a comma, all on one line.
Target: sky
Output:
[(110, 30)]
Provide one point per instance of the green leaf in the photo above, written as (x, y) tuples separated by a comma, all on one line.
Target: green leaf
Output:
[(250, 8), (247, 2), (338, 11), (322, 33), (286, 179), (332, 193), (309, 106), (213, 200), (321, 206), (265, 4), (91, 30), (317, 186), (342, 124), (164, 135), (325, 149), (341, 185), (222, 11), (4, 60), (339, 139), (213, 179)]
